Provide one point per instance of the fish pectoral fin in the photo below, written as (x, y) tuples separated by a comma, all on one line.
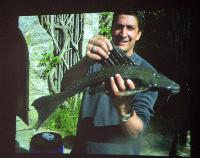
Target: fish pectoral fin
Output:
[(133, 91)]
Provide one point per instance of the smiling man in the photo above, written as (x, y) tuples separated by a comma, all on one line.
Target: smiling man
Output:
[(125, 32), (112, 124)]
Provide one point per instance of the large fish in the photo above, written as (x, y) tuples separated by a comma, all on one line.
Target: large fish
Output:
[(144, 79)]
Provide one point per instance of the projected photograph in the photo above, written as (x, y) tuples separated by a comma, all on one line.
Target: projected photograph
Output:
[(108, 83)]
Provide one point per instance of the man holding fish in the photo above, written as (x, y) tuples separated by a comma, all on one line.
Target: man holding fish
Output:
[(112, 124)]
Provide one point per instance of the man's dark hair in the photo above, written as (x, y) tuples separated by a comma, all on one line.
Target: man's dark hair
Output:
[(134, 13)]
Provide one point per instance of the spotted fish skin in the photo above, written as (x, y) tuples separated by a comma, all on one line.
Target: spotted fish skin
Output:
[(141, 76), (144, 79)]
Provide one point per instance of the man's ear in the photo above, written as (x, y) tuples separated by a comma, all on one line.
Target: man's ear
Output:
[(139, 35)]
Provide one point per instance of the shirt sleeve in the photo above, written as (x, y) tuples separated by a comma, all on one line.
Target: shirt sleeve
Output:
[(143, 104)]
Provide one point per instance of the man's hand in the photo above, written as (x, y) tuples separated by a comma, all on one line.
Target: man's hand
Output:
[(122, 104), (98, 47), (134, 125)]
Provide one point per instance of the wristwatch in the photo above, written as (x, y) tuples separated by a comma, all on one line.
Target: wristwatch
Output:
[(125, 117)]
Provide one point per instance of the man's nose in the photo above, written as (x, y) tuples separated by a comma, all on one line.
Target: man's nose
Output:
[(123, 32)]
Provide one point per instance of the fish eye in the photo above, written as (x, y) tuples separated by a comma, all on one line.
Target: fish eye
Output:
[(169, 87), (156, 75)]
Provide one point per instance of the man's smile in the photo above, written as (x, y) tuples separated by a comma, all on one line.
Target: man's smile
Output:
[(122, 41)]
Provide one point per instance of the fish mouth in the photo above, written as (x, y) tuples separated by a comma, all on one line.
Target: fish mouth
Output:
[(175, 89)]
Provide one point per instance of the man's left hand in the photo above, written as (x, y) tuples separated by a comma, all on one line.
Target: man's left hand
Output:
[(118, 84)]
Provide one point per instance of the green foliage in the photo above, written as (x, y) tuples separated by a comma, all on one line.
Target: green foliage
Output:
[(65, 119), (49, 61), (105, 24), (28, 38)]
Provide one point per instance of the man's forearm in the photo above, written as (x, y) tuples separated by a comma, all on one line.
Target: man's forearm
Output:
[(133, 126), (75, 72)]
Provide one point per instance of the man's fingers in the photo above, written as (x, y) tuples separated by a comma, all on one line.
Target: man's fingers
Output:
[(98, 46), (114, 86), (102, 42), (117, 84), (130, 84), (99, 51), (120, 82)]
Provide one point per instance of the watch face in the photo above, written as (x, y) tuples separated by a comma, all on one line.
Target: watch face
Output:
[(125, 117)]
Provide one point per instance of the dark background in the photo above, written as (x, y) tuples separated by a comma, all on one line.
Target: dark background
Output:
[(167, 44), (165, 55)]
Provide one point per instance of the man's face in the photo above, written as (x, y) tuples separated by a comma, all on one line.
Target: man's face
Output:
[(125, 32)]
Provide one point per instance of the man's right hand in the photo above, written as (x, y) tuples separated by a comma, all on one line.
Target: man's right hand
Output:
[(98, 48)]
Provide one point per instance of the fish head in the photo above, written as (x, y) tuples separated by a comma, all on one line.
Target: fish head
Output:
[(160, 81)]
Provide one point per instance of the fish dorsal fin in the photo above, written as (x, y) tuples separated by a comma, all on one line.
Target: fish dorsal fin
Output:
[(116, 57)]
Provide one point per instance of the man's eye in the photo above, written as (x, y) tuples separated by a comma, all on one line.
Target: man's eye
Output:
[(118, 27), (131, 28)]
